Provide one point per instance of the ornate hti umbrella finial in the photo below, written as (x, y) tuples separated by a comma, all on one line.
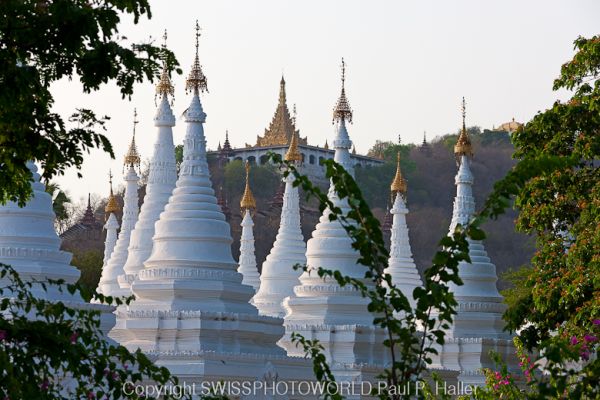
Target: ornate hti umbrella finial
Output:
[(399, 183), (111, 206), (342, 110), (196, 80), (247, 202), (164, 86), (463, 145), (132, 157)]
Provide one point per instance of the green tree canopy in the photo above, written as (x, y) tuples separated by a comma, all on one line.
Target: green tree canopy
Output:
[(42, 42)]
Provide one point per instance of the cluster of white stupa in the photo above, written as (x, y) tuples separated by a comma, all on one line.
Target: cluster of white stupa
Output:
[(205, 316)]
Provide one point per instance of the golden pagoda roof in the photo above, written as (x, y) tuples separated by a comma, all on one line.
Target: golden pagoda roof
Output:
[(399, 183), (247, 202), (463, 145), (132, 157), (164, 86), (342, 110), (293, 154), (111, 206), (196, 79), (283, 125)]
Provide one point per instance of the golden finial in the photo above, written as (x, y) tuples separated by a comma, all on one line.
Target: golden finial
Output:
[(399, 183), (342, 110), (196, 80), (132, 157), (247, 202), (164, 86), (463, 144), (353, 149), (111, 205), (326, 147), (293, 155)]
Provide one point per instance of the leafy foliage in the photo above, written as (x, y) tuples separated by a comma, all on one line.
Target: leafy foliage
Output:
[(45, 41), (89, 262), (556, 188), (52, 350)]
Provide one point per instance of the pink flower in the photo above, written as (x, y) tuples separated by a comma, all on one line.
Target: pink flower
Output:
[(574, 340), (74, 337), (3, 334), (596, 322), (91, 395), (590, 338), (44, 385), (585, 355)]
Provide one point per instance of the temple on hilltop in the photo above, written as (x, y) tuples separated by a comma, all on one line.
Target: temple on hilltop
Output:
[(277, 139), (509, 126)]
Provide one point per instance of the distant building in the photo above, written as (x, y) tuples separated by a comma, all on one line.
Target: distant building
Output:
[(277, 138), (510, 126)]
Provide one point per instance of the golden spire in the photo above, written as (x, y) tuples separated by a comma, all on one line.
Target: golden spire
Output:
[(111, 205), (326, 147), (399, 183), (293, 155), (353, 149), (342, 110), (463, 144), (164, 86), (247, 202), (282, 100), (196, 80), (132, 157)]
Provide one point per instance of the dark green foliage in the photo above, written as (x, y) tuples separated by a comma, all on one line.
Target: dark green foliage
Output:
[(89, 262), (44, 345), (556, 189), (263, 179), (45, 41)]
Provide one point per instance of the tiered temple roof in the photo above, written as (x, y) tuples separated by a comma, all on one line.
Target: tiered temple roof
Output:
[(282, 127)]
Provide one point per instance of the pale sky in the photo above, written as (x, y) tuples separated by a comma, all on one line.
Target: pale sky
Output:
[(408, 65)]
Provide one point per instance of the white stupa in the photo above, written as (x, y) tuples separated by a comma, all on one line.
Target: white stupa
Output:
[(161, 182), (29, 243), (192, 312), (278, 277), (478, 325), (321, 309), (109, 284), (247, 263), (111, 226), (401, 266)]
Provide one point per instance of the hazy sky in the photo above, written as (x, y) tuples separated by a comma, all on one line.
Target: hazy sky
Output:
[(408, 65)]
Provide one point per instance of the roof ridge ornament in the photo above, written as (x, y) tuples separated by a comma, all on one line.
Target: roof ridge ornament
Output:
[(342, 111), (164, 86), (196, 80), (463, 146), (247, 202)]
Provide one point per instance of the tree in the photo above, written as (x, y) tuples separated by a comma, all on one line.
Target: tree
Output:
[(89, 262), (45, 41), (556, 189), (60, 206), (53, 350)]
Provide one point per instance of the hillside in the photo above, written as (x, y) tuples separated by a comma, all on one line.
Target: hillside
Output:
[(429, 171)]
